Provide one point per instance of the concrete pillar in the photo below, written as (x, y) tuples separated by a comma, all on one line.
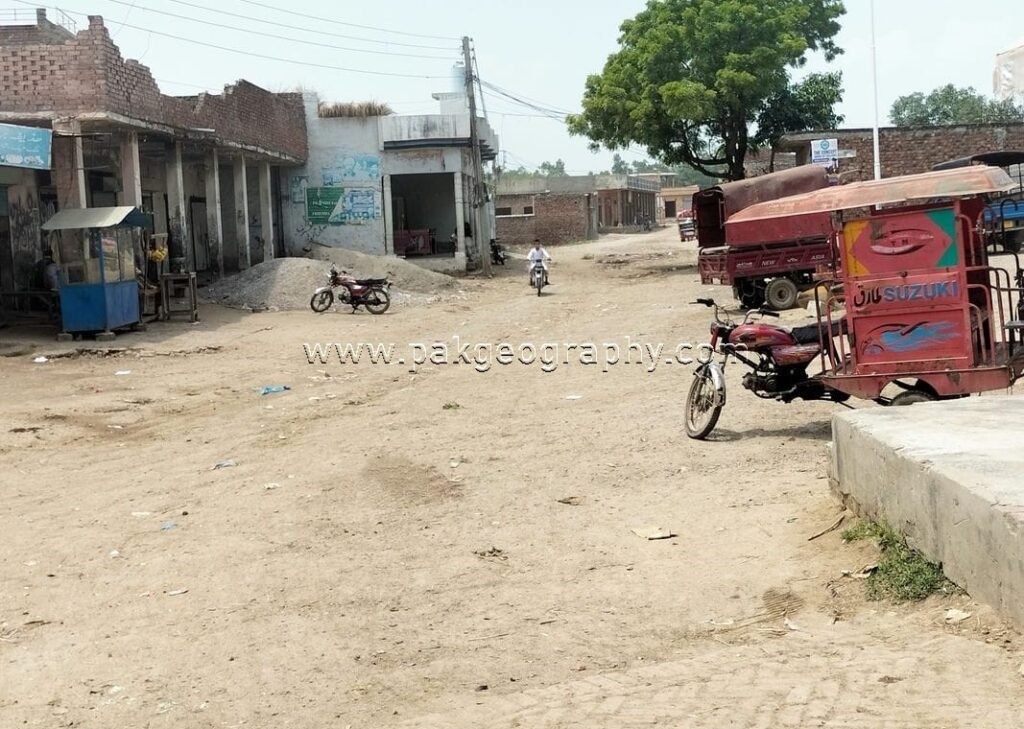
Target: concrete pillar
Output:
[(177, 219), (460, 215), (69, 166), (242, 213), (131, 174), (267, 211), (214, 222), (389, 221)]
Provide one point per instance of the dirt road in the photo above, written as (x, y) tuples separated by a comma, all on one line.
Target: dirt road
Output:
[(448, 547)]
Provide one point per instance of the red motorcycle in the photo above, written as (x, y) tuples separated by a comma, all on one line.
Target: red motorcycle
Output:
[(777, 357), (373, 293)]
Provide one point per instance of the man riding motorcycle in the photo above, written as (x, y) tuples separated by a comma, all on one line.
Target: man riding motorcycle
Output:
[(537, 253)]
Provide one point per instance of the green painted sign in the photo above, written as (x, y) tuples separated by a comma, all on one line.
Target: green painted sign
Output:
[(321, 203)]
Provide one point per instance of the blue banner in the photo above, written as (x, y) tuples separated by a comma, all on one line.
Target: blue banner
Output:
[(25, 147)]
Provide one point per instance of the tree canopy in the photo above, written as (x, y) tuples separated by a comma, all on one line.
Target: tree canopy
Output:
[(684, 174), (691, 77), (949, 105)]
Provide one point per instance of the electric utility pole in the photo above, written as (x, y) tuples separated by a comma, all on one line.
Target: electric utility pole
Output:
[(477, 194)]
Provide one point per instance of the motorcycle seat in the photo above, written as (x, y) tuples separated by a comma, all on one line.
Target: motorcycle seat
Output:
[(811, 333), (371, 282)]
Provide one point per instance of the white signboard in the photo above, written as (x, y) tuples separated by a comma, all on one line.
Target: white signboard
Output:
[(824, 152)]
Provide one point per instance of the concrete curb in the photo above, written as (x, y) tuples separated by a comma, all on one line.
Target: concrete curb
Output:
[(950, 476)]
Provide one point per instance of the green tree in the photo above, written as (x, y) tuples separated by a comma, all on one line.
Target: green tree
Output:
[(809, 104), (949, 105), (553, 169), (619, 165), (691, 76)]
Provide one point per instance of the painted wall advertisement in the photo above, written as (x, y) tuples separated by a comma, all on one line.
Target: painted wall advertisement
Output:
[(27, 147)]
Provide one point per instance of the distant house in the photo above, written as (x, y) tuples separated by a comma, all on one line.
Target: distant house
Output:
[(566, 209), (389, 184)]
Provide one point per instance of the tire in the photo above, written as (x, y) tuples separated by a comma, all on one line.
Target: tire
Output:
[(911, 397), (381, 304), (781, 294), (698, 405), (322, 301), (539, 282)]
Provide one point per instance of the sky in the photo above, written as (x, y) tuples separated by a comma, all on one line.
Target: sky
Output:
[(402, 51)]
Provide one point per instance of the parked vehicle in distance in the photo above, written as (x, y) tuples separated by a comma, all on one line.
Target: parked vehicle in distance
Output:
[(373, 293), (767, 264), (687, 226), (1003, 217)]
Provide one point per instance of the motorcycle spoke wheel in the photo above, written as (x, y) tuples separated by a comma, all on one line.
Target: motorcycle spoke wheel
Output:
[(377, 302), (321, 302), (702, 408)]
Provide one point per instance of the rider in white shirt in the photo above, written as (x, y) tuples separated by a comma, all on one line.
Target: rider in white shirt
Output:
[(537, 253)]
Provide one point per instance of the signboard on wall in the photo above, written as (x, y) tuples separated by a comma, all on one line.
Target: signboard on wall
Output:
[(320, 204), (27, 147), (341, 205), (824, 152)]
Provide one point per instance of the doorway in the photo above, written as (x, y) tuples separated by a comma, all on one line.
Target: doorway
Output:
[(200, 235), (6, 250), (670, 209)]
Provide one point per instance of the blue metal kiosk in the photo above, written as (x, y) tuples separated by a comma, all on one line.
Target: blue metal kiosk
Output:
[(99, 291)]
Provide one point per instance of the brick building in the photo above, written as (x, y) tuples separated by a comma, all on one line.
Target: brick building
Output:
[(553, 217), (907, 150), (566, 209), (206, 166)]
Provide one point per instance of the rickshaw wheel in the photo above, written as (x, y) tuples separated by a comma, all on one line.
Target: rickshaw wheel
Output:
[(781, 294), (912, 396)]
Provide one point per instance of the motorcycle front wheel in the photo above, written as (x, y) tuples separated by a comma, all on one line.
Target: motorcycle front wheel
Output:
[(321, 301), (703, 406), (377, 301)]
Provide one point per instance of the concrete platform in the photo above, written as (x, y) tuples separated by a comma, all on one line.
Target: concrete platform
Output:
[(950, 476)]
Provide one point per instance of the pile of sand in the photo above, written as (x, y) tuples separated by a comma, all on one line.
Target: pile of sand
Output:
[(287, 283)]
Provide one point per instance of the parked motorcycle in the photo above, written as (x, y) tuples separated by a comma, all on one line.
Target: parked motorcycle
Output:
[(777, 357), (373, 293), (498, 253), (538, 276)]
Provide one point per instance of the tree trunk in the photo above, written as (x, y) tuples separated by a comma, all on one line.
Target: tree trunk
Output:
[(771, 160)]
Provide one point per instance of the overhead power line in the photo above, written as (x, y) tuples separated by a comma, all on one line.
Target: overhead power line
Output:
[(351, 25), (250, 54), (525, 100), (135, 5), (304, 29)]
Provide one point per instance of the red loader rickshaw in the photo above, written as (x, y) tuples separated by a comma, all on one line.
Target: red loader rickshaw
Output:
[(927, 313)]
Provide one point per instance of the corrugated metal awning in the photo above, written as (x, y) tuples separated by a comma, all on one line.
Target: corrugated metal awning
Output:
[(962, 182), (76, 218)]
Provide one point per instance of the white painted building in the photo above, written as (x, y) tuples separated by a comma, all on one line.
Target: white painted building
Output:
[(389, 185)]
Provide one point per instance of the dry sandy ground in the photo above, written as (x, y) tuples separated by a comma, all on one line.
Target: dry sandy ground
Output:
[(376, 558)]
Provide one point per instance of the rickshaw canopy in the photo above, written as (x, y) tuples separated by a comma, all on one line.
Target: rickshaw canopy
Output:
[(953, 183), (995, 159)]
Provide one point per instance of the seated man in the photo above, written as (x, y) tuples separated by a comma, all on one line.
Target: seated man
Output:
[(537, 253)]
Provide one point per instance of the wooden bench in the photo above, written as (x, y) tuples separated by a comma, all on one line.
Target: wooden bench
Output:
[(49, 299)]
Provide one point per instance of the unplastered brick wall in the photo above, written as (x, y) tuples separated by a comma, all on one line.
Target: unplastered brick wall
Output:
[(518, 230), (560, 218), (86, 73), (912, 150)]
